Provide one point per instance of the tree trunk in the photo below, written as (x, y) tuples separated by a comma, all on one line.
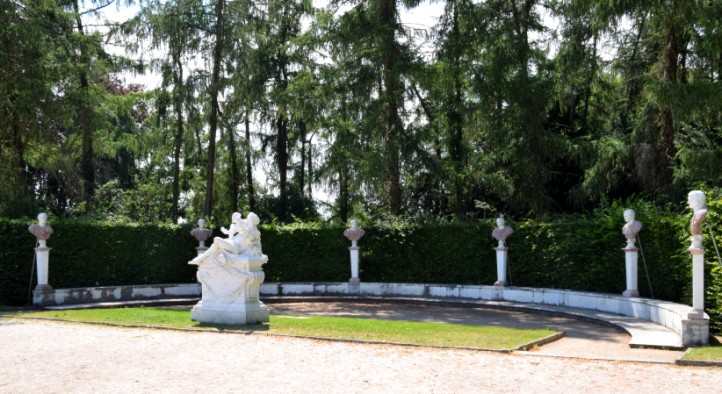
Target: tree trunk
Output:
[(233, 175), (249, 167), (392, 98), (669, 76), (87, 163), (310, 168), (343, 194), (455, 119), (213, 116), (302, 172), (282, 162), (178, 140)]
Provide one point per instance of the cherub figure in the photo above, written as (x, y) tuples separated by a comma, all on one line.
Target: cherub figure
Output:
[(41, 230), (243, 237), (220, 246)]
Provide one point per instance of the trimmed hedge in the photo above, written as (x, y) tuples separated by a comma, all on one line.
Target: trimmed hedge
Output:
[(579, 253)]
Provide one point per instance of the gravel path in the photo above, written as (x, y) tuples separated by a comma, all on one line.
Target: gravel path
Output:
[(63, 357)]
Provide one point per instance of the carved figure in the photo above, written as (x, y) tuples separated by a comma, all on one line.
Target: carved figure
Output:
[(243, 238), (502, 231), (41, 230), (631, 227), (697, 203), (354, 233), (230, 273)]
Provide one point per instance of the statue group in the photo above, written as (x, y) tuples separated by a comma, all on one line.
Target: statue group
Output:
[(230, 273)]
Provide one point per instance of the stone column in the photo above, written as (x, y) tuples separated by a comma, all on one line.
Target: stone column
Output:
[(698, 281), (501, 233), (631, 256), (697, 203), (42, 231), (353, 234), (502, 255)]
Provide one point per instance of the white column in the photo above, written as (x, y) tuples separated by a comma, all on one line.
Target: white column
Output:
[(698, 281), (501, 260), (354, 255), (42, 294), (42, 256), (631, 256)]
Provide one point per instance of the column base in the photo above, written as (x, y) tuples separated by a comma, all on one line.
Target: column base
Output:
[(499, 283), (43, 295), (631, 293), (695, 329), (354, 285), (230, 314)]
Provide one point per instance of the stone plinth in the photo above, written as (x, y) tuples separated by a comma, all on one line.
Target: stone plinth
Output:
[(230, 286), (502, 255), (631, 256)]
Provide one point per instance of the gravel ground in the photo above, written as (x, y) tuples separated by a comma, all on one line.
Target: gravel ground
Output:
[(63, 357)]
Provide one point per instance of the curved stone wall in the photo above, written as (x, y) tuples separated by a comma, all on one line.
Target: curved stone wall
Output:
[(627, 313)]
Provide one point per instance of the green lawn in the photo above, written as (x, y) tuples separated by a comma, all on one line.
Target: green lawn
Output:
[(393, 331), (704, 353)]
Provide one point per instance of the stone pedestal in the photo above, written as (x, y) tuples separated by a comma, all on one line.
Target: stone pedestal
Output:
[(502, 257), (354, 254), (695, 329), (230, 287), (697, 281), (201, 250), (42, 262), (631, 256)]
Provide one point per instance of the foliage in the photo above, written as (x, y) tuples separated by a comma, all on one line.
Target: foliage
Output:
[(581, 254), (95, 253)]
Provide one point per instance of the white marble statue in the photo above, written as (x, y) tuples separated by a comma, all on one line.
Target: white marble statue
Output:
[(631, 254), (697, 203), (501, 233), (631, 227), (42, 231), (353, 234), (231, 274)]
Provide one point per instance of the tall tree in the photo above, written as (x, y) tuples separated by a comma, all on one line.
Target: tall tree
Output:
[(213, 91)]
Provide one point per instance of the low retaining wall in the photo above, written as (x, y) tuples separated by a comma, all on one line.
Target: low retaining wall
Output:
[(673, 316), (90, 295)]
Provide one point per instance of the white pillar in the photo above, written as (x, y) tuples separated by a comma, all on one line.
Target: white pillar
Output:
[(501, 259), (698, 281), (42, 256), (354, 254), (631, 256), (42, 294)]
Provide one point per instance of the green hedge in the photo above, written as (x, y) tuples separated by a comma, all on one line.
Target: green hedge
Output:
[(90, 254), (580, 253)]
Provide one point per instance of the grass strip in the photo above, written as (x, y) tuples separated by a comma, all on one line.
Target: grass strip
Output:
[(418, 333)]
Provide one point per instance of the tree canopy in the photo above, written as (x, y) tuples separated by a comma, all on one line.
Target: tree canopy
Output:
[(299, 109)]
